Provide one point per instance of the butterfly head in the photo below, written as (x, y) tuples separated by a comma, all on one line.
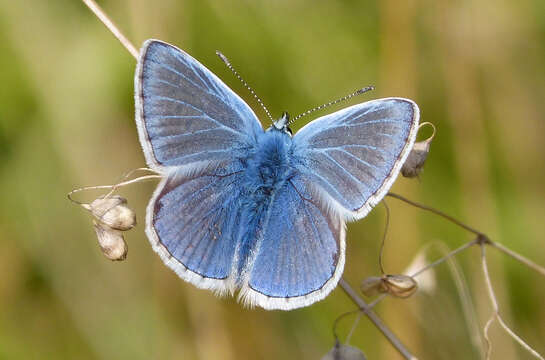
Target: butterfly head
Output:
[(282, 124)]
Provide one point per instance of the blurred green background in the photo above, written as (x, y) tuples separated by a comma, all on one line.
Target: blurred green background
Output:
[(475, 67)]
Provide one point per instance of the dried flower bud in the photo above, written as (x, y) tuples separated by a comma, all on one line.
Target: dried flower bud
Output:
[(418, 155), (111, 242), (344, 352), (113, 212), (401, 286)]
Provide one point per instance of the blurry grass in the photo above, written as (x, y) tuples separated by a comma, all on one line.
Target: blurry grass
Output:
[(66, 119)]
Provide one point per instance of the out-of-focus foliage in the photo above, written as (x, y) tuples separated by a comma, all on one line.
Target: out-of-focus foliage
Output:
[(476, 68)]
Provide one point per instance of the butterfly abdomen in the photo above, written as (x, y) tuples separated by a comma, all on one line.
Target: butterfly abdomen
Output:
[(268, 170)]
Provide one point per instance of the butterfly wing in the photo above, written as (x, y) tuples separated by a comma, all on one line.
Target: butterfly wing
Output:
[(351, 158), (192, 128), (192, 225), (300, 256), (186, 114)]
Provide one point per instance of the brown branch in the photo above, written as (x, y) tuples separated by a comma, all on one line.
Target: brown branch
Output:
[(373, 317), (436, 212), (532, 265)]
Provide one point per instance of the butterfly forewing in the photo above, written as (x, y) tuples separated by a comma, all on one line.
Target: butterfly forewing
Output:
[(185, 113), (350, 158)]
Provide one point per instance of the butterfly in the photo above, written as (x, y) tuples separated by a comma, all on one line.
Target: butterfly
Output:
[(258, 211)]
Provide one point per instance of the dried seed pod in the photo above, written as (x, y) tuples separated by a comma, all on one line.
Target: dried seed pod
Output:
[(401, 286), (113, 212), (111, 242), (418, 155), (344, 352)]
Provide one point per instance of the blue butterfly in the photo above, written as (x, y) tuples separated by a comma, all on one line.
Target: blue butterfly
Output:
[(261, 212)]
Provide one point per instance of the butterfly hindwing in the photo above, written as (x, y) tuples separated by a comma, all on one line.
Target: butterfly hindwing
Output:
[(300, 255), (192, 227), (185, 113), (350, 158)]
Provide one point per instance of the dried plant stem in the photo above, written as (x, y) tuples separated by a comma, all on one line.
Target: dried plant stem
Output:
[(373, 303), (436, 212), (339, 318), (429, 266), (446, 257), (353, 328), (532, 265), (496, 312), (386, 226), (91, 4), (112, 187), (465, 300), (396, 343), (486, 338), (482, 240)]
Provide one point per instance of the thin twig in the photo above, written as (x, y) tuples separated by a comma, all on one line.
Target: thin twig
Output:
[(519, 339), (486, 338), (396, 343), (496, 312), (436, 212), (128, 182), (447, 256), (377, 300), (91, 4), (532, 265), (339, 318), (482, 240), (380, 262), (129, 174), (465, 298), (429, 266), (353, 328)]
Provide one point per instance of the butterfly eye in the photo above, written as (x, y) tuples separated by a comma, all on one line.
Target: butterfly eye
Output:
[(289, 130)]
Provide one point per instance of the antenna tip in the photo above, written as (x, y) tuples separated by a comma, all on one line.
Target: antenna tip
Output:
[(222, 57), (365, 89)]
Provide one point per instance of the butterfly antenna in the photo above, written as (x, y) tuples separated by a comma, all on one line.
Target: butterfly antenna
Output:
[(226, 61), (357, 92)]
